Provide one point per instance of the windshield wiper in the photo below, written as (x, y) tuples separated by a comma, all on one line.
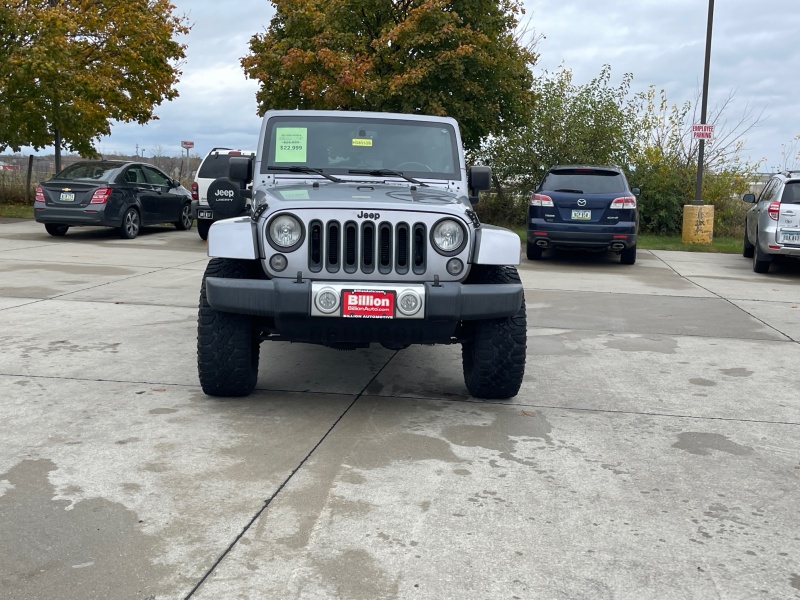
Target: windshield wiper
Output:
[(382, 172), (296, 169)]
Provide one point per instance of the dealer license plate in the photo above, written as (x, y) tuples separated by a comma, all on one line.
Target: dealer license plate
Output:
[(789, 237), (205, 214), (581, 215), (67, 197), (368, 304)]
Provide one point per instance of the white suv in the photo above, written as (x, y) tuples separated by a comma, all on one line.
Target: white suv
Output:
[(214, 165)]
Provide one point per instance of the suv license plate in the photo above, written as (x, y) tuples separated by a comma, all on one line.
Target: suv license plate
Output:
[(581, 215), (205, 214), (792, 237), (368, 304)]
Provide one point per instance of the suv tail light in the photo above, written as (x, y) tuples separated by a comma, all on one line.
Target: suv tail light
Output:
[(100, 196), (195, 195), (541, 200), (624, 202), (39, 194), (774, 210)]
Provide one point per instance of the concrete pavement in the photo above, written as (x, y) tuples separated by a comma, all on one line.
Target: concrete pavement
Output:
[(653, 452)]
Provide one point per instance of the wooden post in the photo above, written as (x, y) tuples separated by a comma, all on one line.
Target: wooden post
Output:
[(28, 179)]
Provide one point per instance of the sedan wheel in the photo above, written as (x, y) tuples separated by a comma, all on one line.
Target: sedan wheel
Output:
[(130, 224), (186, 218), (56, 229)]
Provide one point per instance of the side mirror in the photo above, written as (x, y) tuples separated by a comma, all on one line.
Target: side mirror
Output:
[(749, 198), (636, 191), (240, 168), (479, 179)]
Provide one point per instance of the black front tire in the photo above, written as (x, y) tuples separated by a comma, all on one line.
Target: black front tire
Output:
[(761, 260), (747, 247), (227, 346), (202, 228), (628, 255), (493, 357), (533, 251), (56, 229), (186, 220), (131, 223)]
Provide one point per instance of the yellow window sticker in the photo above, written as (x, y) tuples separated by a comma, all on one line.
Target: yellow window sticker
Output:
[(362, 142), (291, 144)]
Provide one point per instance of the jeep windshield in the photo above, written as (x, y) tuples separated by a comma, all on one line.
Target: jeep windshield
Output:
[(341, 145)]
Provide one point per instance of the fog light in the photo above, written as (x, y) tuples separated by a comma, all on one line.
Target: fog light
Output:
[(409, 303), (455, 266), (327, 300), (278, 262)]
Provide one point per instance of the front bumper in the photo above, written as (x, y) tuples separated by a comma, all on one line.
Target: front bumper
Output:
[(448, 301), (287, 306)]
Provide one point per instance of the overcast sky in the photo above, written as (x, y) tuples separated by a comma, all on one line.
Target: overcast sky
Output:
[(755, 54)]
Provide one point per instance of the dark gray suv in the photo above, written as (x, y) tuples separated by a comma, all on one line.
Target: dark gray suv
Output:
[(772, 225)]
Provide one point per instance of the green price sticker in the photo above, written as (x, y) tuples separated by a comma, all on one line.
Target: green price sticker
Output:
[(291, 144)]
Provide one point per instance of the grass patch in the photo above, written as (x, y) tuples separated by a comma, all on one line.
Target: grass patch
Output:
[(649, 241), (17, 210), (725, 245)]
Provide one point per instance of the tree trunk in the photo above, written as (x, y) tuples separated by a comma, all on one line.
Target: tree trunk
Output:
[(58, 149)]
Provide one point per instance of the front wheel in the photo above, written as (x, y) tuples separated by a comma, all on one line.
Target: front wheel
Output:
[(747, 247), (628, 255), (130, 224), (186, 220), (493, 357), (56, 229), (202, 228), (227, 346)]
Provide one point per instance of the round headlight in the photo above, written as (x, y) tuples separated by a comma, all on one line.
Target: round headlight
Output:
[(285, 231), (448, 235)]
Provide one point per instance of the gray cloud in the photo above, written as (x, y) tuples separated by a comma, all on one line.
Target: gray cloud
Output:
[(754, 53)]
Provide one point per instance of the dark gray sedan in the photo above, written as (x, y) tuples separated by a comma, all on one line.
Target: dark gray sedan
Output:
[(110, 193)]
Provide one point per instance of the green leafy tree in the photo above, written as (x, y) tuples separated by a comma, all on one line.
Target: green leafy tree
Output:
[(68, 68), (664, 165), (594, 123), (444, 57)]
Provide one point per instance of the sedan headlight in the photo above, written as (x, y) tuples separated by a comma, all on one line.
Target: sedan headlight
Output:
[(285, 231), (448, 236)]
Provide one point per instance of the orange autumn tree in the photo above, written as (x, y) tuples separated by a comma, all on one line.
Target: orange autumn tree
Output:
[(460, 58), (68, 68)]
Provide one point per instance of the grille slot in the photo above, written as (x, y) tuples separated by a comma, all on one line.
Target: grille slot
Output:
[(350, 247), (419, 249), (385, 237), (332, 246), (402, 249), (315, 246)]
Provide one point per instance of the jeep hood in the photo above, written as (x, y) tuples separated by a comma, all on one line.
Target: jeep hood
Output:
[(361, 194)]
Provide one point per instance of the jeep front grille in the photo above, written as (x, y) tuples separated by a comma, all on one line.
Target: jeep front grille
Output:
[(365, 248)]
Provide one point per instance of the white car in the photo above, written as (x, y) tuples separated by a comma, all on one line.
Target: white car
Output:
[(214, 165), (772, 225)]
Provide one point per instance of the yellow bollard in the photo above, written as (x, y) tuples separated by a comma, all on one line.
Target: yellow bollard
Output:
[(698, 223)]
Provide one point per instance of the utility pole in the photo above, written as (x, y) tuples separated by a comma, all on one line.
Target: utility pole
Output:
[(698, 218), (698, 188)]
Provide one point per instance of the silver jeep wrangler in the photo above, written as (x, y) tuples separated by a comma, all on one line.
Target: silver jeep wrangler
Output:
[(359, 230)]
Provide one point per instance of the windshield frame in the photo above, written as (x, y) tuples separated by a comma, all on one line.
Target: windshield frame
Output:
[(329, 160)]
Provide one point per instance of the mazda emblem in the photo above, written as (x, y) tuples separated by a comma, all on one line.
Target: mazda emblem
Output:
[(582, 202)]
